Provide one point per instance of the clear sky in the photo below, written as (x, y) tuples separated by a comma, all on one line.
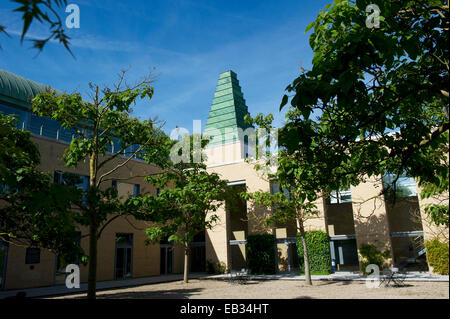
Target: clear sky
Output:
[(188, 43)]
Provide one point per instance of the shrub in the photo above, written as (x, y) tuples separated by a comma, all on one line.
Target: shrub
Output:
[(260, 250), (318, 252), (217, 267), (437, 255), (371, 255)]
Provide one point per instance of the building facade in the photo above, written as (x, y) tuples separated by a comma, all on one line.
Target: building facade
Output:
[(350, 217), (122, 252)]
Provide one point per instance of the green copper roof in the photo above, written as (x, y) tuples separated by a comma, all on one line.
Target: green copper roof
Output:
[(17, 90), (227, 110)]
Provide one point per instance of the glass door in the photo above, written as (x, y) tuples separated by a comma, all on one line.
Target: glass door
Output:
[(3, 255), (124, 256), (166, 259)]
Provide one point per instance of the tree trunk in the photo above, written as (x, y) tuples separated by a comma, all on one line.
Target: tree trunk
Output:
[(186, 263), (92, 277), (305, 254)]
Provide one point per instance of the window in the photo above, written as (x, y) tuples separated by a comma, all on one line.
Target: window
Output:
[(275, 188), (71, 179), (137, 189), (44, 126), (340, 197), (124, 256), (404, 186), (21, 115), (124, 239), (126, 190), (33, 256)]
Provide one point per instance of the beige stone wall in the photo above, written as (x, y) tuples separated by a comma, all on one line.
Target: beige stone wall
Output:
[(340, 219), (20, 275), (217, 238), (431, 230), (317, 222), (145, 257), (369, 215), (217, 247), (282, 252), (224, 154), (404, 214)]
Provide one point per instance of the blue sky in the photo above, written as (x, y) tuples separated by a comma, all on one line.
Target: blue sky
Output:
[(188, 43)]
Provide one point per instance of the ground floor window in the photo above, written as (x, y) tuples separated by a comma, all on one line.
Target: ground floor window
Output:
[(198, 257), (344, 253), (32, 255), (3, 259), (166, 259), (409, 251), (124, 256)]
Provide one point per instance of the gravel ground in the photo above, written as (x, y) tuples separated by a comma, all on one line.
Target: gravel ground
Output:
[(278, 289)]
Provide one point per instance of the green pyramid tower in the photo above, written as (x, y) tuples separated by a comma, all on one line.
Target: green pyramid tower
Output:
[(227, 111)]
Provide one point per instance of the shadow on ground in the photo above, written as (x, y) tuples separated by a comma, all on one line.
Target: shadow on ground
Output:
[(331, 282), (158, 294), (246, 283)]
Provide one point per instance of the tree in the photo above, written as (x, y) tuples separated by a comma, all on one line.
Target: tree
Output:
[(44, 11), (96, 125), (33, 211), (376, 99), (187, 203), (292, 204)]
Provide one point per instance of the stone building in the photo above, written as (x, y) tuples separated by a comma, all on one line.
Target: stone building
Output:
[(350, 217)]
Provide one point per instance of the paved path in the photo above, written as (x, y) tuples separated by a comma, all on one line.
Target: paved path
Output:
[(411, 276), (114, 284), (104, 285)]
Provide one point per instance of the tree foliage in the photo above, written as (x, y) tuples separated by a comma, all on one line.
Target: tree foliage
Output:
[(33, 210), (319, 252), (187, 203), (260, 254), (96, 125), (437, 255), (45, 12), (376, 99)]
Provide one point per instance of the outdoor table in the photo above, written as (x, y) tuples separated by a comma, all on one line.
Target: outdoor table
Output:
[(392, 275)]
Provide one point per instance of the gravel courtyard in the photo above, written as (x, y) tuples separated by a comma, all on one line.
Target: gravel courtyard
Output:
[(278, 289)]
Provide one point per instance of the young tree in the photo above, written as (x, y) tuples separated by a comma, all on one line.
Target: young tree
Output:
[(95, 125), (33, 211), (292, 203), (187, 202)]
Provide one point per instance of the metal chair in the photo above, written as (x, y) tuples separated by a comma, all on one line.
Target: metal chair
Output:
[(392, 275), (239, 277)]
